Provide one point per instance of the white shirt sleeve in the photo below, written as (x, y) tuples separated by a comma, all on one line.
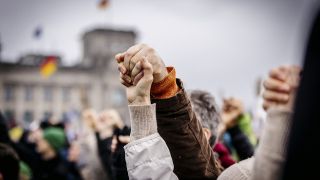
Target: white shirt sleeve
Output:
[(149, 158)]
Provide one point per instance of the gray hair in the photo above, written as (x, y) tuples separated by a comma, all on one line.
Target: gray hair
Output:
[(206, 110)]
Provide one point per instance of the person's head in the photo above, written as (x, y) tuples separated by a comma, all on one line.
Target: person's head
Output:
[(206, 110), (110, 117), (52, 141), (9, 163)]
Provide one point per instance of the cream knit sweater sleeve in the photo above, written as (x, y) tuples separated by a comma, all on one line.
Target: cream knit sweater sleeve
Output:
[(269, 157), (143, 121), (270, 154)]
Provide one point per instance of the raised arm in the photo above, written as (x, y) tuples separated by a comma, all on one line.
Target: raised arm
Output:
[(278, 101), (177, 124), (147, 155)]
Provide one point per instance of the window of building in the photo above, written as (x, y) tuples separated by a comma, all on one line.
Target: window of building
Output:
[(64, 117), (28, 95), (66, 93), (8, 93), (10, 116), (47, 115), (28, 117), (48, 94)]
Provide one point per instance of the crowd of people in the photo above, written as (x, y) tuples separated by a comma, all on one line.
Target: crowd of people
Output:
[(174, 133)]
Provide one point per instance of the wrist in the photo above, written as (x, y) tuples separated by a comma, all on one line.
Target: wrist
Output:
[(290, 104), (143, 121), (141, 100), (167, 87), (157, 77)]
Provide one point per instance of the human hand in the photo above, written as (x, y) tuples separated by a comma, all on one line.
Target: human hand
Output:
[(74, 152), (122, 139), (139, 92), (128, 63), (280, 87), (232, 109), (90, 118), (108, 121)]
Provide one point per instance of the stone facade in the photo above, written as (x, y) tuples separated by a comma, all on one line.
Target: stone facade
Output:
[(93, 83)]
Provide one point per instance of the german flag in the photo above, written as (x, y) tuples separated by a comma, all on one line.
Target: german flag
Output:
[(48, 66)]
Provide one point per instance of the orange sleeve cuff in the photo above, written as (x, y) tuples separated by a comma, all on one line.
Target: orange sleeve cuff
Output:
[(166, 88)]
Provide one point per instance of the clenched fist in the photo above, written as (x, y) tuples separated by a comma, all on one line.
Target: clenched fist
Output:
[(232, 109), (139, 92), (281, 86)]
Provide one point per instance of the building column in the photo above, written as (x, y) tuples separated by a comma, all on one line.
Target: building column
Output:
[(38, 103), (20, 104)]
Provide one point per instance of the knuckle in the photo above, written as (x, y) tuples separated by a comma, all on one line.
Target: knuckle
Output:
[(136, 59), (266, 95), (143, 45), (128, 54), (150, 50), (275, 72), (284, 97), (133, 62), (138, 68), (272, 71)]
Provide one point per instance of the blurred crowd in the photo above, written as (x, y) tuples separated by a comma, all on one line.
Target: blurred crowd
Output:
[(45, 151), (174, 133)]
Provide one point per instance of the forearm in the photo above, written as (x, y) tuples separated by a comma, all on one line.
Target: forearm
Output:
[(149, 158), (147, 155), (178, 126), (143, 121), (270, 155), (105, 154)]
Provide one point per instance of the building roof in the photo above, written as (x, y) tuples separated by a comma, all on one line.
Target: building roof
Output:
[(32, 60), (109, 31)]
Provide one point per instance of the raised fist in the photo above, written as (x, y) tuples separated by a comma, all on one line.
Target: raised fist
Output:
[(231, 110), (280, 87), (138, 93)]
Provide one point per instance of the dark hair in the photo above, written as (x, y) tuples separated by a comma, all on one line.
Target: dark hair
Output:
[(9, 163)]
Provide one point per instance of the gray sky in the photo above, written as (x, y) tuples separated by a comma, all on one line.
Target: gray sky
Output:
[(217, 45)]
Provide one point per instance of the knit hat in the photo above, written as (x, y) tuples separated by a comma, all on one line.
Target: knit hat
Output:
[(55, 137)]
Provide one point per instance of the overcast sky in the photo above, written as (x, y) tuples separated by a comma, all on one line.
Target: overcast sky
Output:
[(219, 45)]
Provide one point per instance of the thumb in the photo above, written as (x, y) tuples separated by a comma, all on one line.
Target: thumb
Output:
[(147, 67)]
